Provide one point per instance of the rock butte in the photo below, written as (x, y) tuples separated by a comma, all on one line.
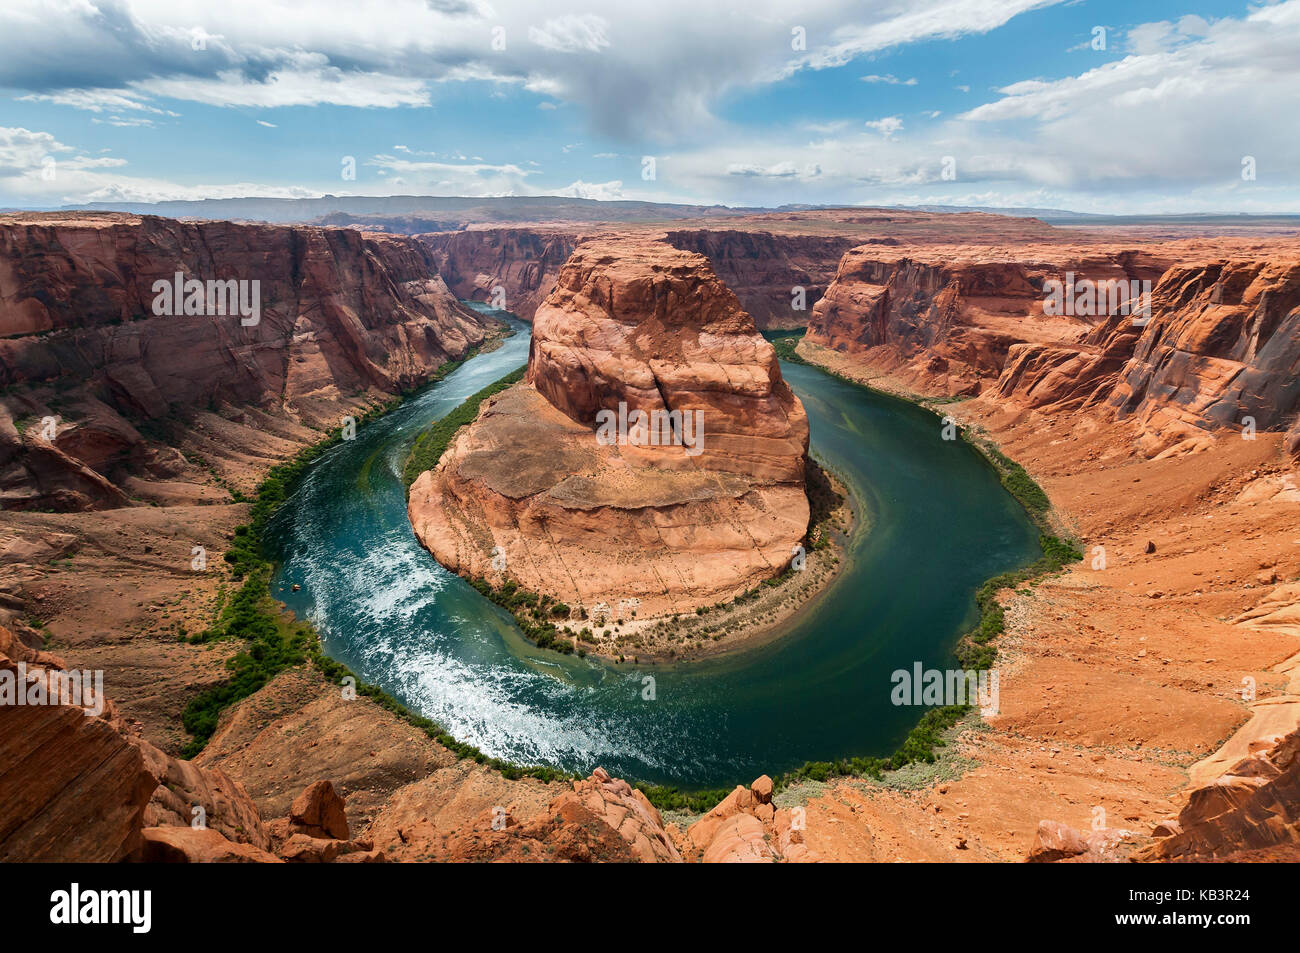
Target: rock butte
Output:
[(1132, 434), (646, 325)]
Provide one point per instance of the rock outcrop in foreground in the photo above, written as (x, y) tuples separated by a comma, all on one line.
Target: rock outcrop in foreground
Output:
[(1253, 807), (705, 505), (77, 785), (745, 827)]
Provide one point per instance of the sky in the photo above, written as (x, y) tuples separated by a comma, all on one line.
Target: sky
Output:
[(1136, 107)]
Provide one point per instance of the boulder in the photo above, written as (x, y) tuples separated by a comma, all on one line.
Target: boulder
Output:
[(320, 812), (190, 845)]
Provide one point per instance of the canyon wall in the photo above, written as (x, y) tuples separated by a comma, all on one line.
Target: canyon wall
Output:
[(1221, 351), (1219, 347), (342, 316), (763, 269), (685, 523), (943, 319), (523, 262)]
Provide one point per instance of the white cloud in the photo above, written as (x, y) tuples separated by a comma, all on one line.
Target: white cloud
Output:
[(909, 23), (305, 80), (40, 170), (440, 177), (1164, 131), (779, 170), (137, 122), (572, 34), (604, 191), (1187, 111), (1173, 117), (887, 127), (640, 71)]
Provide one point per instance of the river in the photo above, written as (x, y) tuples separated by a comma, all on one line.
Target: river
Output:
[(939, 524)]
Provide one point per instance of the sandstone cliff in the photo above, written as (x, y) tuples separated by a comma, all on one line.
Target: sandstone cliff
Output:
[(342, 315), (1220, 347), (760, 267), (1221, 352), (76, 785), (686, 523), (764, 268), (1253, 807), (943, 320), (522, 262)]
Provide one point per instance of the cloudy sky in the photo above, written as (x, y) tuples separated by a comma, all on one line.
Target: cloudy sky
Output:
[(1091, 105)]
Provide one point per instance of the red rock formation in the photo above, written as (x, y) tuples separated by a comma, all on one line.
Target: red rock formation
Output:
[(183, 786), (655, 329), (1222, 343), (745, 827), (602, 819), (191, 845), (76, 786), (763, 269), (523, 262), (1254, 806), (943, 320), (760, 256), (73, 787), (319, 812), (1055, 842), (676, 526), (341, 313), (1222, 347)]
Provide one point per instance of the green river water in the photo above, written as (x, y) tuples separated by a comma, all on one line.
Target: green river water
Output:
[(939, 525)]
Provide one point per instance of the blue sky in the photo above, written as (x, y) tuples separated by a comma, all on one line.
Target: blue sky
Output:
[(144, 99)]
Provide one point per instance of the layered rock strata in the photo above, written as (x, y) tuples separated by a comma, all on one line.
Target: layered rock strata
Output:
[(1214, 345), (1253, 806), (303, 325), (943, 320), (704, 506), (1221, 352), (518, 266), (511, 268)]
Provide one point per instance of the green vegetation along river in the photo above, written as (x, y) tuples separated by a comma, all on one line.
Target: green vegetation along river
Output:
[(940, 524)]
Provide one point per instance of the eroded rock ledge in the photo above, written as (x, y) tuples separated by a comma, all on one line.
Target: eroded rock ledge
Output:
[(653, 530)]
